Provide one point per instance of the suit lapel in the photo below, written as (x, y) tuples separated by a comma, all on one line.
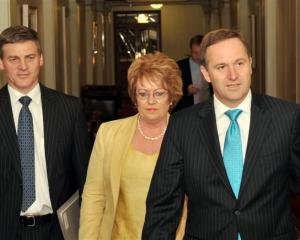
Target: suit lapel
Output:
[(209, 134), (51, 127), (8, 130), (260, 120), (123, 138)]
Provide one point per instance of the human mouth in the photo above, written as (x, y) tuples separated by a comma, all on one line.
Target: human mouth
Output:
[(23, 75), (233, 86), (151, 109)]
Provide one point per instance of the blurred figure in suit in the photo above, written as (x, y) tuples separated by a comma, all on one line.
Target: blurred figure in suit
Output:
[(195, 88)]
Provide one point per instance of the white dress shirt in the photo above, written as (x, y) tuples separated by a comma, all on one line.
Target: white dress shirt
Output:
[(199, 82), (42, 204), (243, 120)]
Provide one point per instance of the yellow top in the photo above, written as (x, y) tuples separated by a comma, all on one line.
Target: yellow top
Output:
[(135, 181), (102, 187)]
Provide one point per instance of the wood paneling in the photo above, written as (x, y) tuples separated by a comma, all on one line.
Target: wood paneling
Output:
[(286, 46)]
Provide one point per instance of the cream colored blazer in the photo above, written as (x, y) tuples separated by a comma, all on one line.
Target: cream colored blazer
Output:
[(101, 189)]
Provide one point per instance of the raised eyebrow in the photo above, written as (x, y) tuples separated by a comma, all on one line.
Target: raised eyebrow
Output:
[(220, 64), (240, 59), (10, 57), (160, 89), (141, 89), (30, 55), (18, 57)]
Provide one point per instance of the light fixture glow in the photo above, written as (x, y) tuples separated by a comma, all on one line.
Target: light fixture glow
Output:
[(156, 5), (142, 18)]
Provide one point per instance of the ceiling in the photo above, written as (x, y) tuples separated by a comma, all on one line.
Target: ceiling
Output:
[(207, 4)]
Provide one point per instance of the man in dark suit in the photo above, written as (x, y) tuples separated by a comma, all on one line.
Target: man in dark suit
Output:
[(195, 88), (236, 171), (44, 144)]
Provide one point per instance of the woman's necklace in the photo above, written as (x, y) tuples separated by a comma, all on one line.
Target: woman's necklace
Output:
[(147, 137)]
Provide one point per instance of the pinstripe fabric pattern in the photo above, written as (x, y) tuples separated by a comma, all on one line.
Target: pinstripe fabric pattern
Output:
[(190, 162), (67, 152)]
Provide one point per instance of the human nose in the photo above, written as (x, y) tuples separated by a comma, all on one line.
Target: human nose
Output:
[(232, 73), (23, 64), (151, 99)]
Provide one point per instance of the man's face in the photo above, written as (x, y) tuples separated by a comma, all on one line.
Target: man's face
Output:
[(195, 52), (21, 62), (229, 71)]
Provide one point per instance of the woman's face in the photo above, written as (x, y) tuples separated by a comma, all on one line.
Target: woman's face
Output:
[(152, 100)]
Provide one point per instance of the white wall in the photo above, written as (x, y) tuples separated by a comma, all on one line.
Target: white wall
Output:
[(180, 23)]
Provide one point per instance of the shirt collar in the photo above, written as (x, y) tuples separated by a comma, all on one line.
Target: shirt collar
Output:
[(220, 108), (34, 94)]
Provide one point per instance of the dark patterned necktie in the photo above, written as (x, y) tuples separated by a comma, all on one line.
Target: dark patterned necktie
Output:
[(26, 147)]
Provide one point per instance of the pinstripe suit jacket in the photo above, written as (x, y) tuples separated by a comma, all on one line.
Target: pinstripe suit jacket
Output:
[(66, 150), (190, 162)]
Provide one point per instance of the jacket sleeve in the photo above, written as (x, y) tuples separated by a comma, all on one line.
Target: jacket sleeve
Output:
[(166, 194), (295, 154), (81, 149), (93, 198)]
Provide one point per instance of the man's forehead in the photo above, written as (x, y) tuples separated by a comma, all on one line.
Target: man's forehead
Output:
[(230, 42), (21, 44), (19, 49), (226, 47)]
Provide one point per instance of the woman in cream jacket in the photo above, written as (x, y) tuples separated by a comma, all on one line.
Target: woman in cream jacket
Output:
[(125, 154)]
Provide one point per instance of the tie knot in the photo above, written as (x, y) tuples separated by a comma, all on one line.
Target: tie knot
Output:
[(25, 100), (233, 114)]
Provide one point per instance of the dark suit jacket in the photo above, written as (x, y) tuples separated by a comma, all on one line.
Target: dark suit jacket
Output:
[(67, 152), (190, 163), (187, 99)]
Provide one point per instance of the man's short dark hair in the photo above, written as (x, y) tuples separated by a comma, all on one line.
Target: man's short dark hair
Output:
[(219, 35), (196, 40), (17, 34)]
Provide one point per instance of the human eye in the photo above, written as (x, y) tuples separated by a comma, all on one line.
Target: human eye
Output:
[(12, 59), (220, 67), (142, 94), (159, 93), (240, 63), (30, 57)]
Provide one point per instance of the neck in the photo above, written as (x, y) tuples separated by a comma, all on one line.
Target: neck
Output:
[(153, 124), (152, 131)]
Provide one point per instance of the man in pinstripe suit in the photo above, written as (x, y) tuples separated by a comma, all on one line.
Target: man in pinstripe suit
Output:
[(60, 147), (191, 157)]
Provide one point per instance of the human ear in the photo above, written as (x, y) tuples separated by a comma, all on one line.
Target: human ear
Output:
[(205, 73)]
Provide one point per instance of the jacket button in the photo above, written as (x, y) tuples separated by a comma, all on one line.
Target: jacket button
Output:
[(237, 212)]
